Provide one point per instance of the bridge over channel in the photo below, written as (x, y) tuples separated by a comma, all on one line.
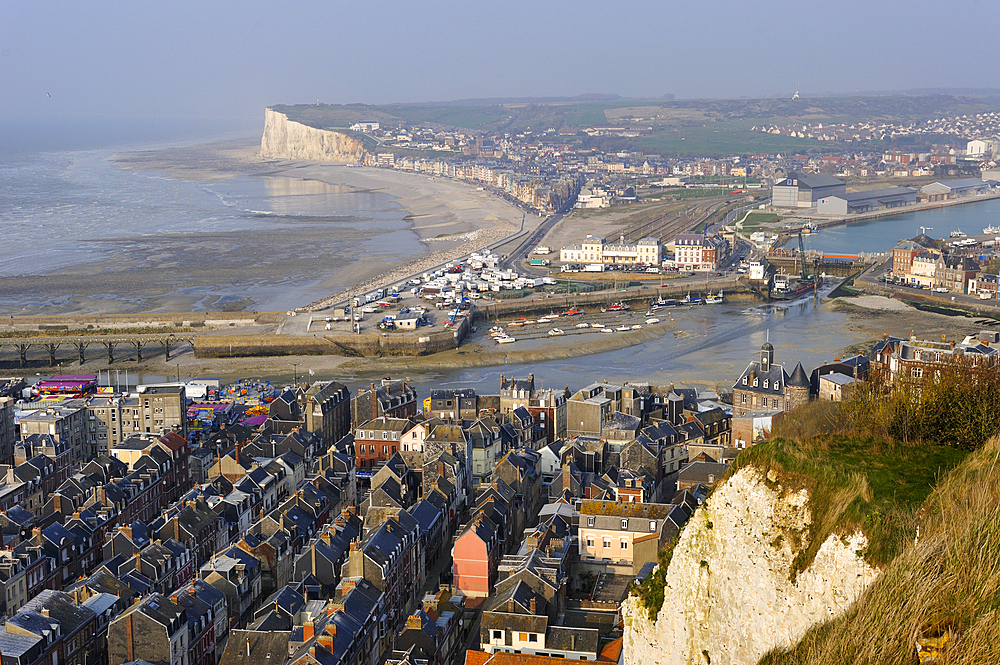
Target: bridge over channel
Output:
[(109, 343)]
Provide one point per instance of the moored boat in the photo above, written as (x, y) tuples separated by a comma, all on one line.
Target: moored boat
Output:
[(556, 331)]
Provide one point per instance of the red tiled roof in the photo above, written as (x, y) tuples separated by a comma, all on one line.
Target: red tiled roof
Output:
[(504, 658), (612, 651)]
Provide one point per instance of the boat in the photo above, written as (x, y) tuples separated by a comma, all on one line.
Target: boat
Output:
[(607, 330), (622, 328), (959, 234), (515, 324), (650, 322), (789, 287), (689, 300), (505, 339), (991, 230), (583, 325), (660, 302), (543, 320), (714, 300), (597, 325), (573, 312), (556, 331), (636, 327), (618, 307)]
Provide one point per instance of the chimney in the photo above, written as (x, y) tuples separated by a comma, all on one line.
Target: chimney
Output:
[(374, 403), (308, 629), (173, 599), (192, 592), (510, 605), (331, 627), (413, 621), (325, 640), (567, 477)]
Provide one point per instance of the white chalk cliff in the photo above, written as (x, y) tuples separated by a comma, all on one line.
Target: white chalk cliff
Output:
[(729, 596), (287, 139)]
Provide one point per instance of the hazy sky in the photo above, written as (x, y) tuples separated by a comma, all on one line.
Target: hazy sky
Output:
[(177, 58)]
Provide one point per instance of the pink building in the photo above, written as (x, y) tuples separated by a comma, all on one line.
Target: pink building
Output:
[(475, 556)]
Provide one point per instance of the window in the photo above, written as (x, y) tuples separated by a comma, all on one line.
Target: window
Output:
[(385, 449), (624, 523), (652, 525), (743, 398), (765, 383), (624, 544), (744, 380), (497, 635), (532, 637), (590, 521), (523, 637), (607, 542), (755, 383), (590, 541)]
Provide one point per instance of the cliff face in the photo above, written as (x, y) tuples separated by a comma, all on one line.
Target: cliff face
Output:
[(287, 139), (729, 596)]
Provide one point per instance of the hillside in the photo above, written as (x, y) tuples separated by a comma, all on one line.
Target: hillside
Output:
[(710, 126), (947, 583)]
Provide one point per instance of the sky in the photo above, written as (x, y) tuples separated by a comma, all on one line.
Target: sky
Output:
[(226, 61)]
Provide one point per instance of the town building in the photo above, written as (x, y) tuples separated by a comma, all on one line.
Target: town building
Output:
[(766, 386), (804, 190), (700, 252), (646, 251)]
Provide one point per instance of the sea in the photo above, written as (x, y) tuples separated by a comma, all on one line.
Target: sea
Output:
[(59, 189), (64, 202)]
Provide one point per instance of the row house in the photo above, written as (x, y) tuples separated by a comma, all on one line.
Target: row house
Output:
[(237, 574), (377, 440), (324, 557), (392, 560), (48, 446), (327, 411), (208, 621), (65, 630), (390, 399), (155, 630)]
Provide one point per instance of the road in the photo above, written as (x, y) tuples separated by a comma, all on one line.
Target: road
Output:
[(513, 261)]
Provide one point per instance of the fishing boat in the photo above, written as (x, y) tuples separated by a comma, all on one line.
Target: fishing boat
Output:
[(714, 300), (789, 287), (661, 302), (556, 331), (618, 307), (573, 312), (515, 324), (689, 300), (991, 230), (506, 339)]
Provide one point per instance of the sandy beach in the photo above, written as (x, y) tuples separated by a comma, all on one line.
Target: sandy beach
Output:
[(293, 253)]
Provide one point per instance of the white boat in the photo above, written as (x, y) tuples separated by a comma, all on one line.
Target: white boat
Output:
[(597, 325), (506, 339), (583, 325), (543, 320), (650, 322), (991, 230), (556, 331), (607, 330), (622, 328), (714, 300), (637, 327)]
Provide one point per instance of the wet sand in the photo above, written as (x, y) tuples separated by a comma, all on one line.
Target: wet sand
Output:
[(281, 261)]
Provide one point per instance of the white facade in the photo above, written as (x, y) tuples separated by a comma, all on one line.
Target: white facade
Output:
[(647, 251)]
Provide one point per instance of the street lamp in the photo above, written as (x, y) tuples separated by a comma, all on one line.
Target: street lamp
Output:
[(294, 374)]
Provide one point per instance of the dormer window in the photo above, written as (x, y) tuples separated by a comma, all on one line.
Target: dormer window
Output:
[(755, 383), (744, 380), (765, 383), (625, 524)]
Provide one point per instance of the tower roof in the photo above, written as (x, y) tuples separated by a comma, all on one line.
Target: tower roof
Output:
[(798, 377)]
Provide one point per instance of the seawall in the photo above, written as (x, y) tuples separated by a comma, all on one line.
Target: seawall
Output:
[(287, 139)]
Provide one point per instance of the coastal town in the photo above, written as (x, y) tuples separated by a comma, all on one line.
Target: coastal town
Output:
[(200, 523)]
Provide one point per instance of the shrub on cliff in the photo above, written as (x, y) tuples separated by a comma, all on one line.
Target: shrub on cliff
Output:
[(955, 404)]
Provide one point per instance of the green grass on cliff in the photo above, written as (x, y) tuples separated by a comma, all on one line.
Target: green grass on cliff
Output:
[(854, 483), (946, 582)]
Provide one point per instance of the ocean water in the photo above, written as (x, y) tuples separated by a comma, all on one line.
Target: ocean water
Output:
[(61, 208)]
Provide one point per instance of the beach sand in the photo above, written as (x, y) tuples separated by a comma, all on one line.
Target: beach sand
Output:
[(273, 266)]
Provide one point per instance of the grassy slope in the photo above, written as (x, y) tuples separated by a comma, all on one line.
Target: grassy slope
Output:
[(949, 580)]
